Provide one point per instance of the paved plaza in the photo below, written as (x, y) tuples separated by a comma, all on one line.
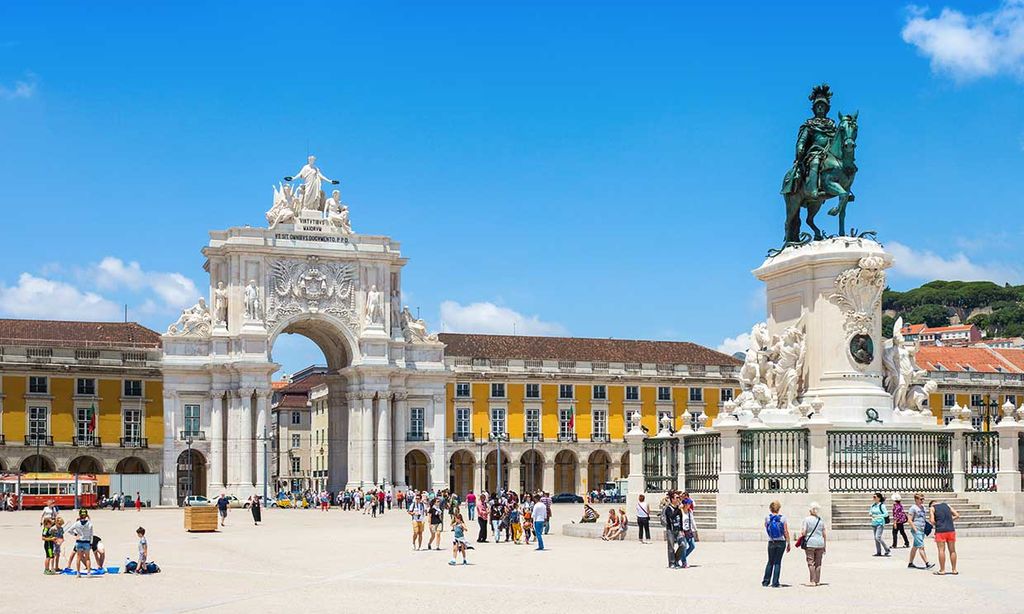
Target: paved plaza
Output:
[(344, 561)]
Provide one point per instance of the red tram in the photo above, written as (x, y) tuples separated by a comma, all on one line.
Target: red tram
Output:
[(36, 489)]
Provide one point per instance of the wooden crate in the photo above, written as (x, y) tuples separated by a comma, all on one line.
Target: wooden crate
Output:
[(201, 518)]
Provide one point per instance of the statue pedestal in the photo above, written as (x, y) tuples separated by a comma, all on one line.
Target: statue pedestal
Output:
[(832, 290)]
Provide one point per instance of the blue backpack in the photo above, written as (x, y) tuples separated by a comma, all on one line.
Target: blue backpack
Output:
[(775, 528)]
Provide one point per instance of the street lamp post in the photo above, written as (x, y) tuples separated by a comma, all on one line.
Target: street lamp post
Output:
[(480, 456), (988, 405)]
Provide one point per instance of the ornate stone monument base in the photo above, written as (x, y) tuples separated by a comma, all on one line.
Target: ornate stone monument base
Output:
[(832, 290)]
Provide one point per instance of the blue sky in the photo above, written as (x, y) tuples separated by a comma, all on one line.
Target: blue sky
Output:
[(584, 168)]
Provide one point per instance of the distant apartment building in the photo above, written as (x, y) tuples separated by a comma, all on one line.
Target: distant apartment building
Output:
[(292, 418), (980, 378), (959, 336)]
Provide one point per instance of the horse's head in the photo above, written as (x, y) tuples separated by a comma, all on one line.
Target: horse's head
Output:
[(848, 130)]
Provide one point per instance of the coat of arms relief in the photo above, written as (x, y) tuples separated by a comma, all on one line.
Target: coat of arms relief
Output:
[(312, 286)]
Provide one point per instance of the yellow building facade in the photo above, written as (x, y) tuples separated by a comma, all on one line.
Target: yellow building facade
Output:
[(81, 397), (558, 408)]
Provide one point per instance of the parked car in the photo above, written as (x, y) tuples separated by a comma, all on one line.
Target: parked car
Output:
[(566, 497), (197, 501), (265, 501)]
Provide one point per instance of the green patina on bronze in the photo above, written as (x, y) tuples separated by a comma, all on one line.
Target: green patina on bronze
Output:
[(823, 168)]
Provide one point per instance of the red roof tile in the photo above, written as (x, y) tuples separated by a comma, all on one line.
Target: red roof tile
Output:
[(980, 359), (64, 333), (584, 349)]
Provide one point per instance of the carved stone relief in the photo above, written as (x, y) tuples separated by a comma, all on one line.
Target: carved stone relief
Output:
[(311, 286)]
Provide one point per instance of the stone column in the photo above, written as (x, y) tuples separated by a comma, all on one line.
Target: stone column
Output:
[(635, 484), (233, 441), (729, 476), (1008, 479), (169, 475), (549, 476), (263, 438), (337, 434), (384, 433), (399, 424), (215, 479), (958, 428), (248, 442), (514, 475), (438, 466), (354, 448), (366, 440), (817, 473)]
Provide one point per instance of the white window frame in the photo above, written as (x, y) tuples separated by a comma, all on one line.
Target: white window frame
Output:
[(196, 418), (562, 388), (695, 420), (459, 386), (498, 387), (124, 389), (977, 400), (463, 418), (417, 420), (78, 386), (726, 394), (499, 421), (698, 397), (600, 422), (667, 390), (296, 417), (602, 389), (530, 387), (125, 411), (29, 420), (948, 400), (635, 389), (528, 419), (82, 434), (296, 440), (296, 465), (563, 421), (44, 379)]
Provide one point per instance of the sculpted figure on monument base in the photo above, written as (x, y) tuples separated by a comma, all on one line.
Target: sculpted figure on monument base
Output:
[(373, 313), (415, 330), (903, 379), (253, 308), (772, 375), (193, 321), (220, 304)]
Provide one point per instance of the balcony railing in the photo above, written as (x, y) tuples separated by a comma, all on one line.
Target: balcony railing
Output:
[(463, 437), (195, 435), (567, 438), (417, 436), (32, 440), (89, 441), (497, 437), (601, 438), (533, 438), (134, 442)]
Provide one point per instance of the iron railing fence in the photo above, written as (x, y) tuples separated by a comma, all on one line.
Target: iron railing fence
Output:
[(981, 461), (888, 461), (661, 464), (702, 462), (774, 460)]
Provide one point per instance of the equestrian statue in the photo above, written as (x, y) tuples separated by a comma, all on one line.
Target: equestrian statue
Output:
[(823, 168)]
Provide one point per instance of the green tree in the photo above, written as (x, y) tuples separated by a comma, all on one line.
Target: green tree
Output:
[(887, 322), (930, 315)]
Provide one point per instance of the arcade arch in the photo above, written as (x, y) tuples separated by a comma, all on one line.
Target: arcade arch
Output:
[(566, 472), (461, 472)]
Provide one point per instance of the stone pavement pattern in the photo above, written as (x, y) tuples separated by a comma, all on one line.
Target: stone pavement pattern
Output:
[(350, 560)]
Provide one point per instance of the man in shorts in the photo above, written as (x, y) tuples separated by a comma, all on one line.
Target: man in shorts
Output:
[(83, 532), (222, 508), (418, 511)]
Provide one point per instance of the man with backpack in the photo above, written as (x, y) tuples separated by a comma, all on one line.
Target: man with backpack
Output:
[(672, 518), (778, 544)]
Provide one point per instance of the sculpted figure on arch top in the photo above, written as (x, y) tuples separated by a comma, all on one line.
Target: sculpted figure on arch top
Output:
[(312, 196)]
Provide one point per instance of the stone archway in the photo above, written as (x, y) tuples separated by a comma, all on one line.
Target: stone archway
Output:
[(599, 470), (131, 465), (37, 463), (566, 472), (491, 471), (191, 474), (461, 472), (531, 471), (85, 464), (417, 470), (624, 466)]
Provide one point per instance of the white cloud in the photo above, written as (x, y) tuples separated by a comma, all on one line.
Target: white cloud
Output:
[(22, 88), (926, 265), (731, 345), (174, 289), (37, 297), (970, 46), (487, 317)]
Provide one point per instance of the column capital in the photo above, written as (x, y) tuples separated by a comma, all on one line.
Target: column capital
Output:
[(401, 395), (439, 398)]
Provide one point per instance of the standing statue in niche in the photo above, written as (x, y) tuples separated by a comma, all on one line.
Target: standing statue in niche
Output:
[(253, 309), (823, 168), (373, 313), (220, 304), (312, 196)]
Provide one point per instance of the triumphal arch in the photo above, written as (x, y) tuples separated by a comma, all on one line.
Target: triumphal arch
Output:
[(306, 272)]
